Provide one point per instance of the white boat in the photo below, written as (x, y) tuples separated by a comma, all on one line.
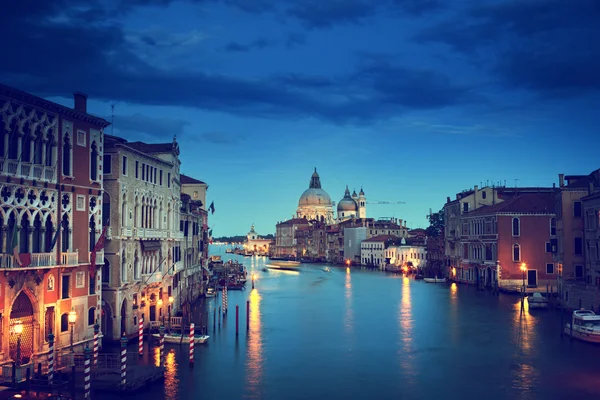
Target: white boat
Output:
[(327, 269), (176, 338), (435, 280), (285, 263), (210, 292), (586, 326), (536, 300)]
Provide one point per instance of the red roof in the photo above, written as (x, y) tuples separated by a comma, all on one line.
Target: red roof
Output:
[(295, 221), (187, 179), (540, 203), (150, 148)]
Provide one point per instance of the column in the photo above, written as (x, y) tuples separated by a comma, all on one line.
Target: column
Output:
[(31, 153), (30, 239), (42, 239), (4, 237), (43, 154), (6, 143)]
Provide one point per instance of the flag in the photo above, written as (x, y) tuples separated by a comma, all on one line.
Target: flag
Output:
[(212, 207), (54, 239), (15, 245), (99, 246), (210, 239)]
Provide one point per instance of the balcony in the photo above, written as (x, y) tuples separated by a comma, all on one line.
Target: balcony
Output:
[(28, 170), (177, 235), (149, 279), (149, 233), (126, 232), (99, 257), (38, 260)]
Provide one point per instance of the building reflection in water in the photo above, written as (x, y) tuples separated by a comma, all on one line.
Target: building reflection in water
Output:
[(525, 375), (254, 359), (171, 383), (405, 321), (454, 328), (349, 317)]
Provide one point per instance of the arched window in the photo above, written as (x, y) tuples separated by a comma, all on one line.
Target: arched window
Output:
[(136, 266), (106, 272), (123, 268), (552, 226), (92, 233), (37, 235), (94, 162), (38, 146), (24, 234), (50, 149), (64, 322), (49, 235), (516, 227), (65, 234), (66, 156), (516, 253), (25, 142), (91, 316)]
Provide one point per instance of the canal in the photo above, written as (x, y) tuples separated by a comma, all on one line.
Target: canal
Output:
[(358, 334)]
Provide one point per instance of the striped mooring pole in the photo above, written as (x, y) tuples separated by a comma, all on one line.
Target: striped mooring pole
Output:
[(123, 360), (96, 346), (161, 348), (141, 337), (224, 300), (192, 344), (87, 372), (51, 359)]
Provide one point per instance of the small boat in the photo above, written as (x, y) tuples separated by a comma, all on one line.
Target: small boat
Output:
[(287, 263), (210, 292), (435, 280), (585, 326), (536, 300), (265, 269), (176, 338), (326, 269), (283, 268), (419, 277)]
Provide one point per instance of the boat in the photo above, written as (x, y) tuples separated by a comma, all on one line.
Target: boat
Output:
[(176, 338), (282, 268), (536, 300), (585, 326), (327, 269), (210, 292), (435, 280), (265, 269), (285, 263), (419, 277)]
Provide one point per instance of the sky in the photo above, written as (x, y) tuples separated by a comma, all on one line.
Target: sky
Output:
[(412, 100)]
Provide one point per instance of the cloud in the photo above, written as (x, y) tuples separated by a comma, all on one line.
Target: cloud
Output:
[(465, 130), (542, 46), (155, 127), (218, 138), (324, 14), (295, 39), (256, 44)]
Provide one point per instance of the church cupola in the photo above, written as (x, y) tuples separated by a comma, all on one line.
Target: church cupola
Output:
[(315, 181), (362, 204)]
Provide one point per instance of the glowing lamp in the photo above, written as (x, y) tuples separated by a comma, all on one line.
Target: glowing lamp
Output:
[(18, 327), (159, 302), (171, 299), (523, 267), (72, 316)]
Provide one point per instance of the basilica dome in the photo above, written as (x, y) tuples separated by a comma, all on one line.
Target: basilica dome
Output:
[(314, 195), (347, 204)]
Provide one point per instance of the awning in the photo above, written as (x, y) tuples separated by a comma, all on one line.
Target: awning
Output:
[(151, 245)]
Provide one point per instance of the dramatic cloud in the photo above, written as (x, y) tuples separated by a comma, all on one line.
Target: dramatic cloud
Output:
[(545, 46), (154, 127)]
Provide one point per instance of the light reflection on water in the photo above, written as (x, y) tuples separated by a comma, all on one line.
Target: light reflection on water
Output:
[(525, 373), (349, 316), (171, 377), (454, 321), (254, 361), (405, 321)]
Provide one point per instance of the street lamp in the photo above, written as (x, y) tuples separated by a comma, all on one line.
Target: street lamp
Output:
[(18, 329), (253, 277), (170, 306), (72, 319), (160, 304)]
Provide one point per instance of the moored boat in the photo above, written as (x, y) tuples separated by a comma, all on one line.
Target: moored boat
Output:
[(210, 292), (584, 325), (176, 338), (537, 301), (435, 280), (327, 269)]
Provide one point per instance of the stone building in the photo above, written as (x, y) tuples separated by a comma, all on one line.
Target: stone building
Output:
[(256, 244), (144, 246), (315, 203), (51, 219)]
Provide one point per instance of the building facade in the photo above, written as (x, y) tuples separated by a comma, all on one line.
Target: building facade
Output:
[(410, 253), (256, 244), (315, 203), (144, 250), (373, 250), (50, 219)]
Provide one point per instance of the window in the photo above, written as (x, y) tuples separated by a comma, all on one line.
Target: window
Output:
[(577, 211), (91, 316), (50, 284), (64, 322), (169, 179), (107, 164), (143, 171), (160, 178), (124, 166), (155, 173), (579, 271), (552, 226), (92, 284), (49, 323), (516, 253), (549, 268), (516, 227), (80, 206), (80, 280), (81, 138), (465, 207), (548, 247), (66, 156), (483, 194), (578, 246), (137, 170), (65, 287)]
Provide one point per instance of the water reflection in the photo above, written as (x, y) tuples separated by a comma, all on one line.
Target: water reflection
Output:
[(525, 374), (405, 321), (454, 324), (254, 361), (171, 380), (349, 317)]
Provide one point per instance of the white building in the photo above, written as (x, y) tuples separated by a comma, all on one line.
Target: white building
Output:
[(352, 206), (315, 203), (143, 249), (407, 254), (373, 250)]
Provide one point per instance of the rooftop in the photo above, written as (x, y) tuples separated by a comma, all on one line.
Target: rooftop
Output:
[(184, 179), (534, 203)]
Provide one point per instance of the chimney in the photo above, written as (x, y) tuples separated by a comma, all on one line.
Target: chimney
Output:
[(80, 102), (448, 199), (561, 180), (553, 185), (590, 188), (475, 189)]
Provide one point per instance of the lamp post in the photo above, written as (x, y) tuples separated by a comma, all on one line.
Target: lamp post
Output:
[(523, 269), (72, 318), (253, 277), (160, 304), (171, 299), (18, 329)]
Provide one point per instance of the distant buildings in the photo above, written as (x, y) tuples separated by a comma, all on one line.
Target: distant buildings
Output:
[(256, 244)]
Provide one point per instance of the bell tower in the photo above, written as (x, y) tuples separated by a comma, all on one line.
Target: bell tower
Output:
[(362, 204)]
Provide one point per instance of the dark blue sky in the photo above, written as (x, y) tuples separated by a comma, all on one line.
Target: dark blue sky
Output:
[(415, 100)]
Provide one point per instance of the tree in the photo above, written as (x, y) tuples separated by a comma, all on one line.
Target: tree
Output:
[(436, 224)]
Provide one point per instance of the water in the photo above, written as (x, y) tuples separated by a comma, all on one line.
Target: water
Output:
[(358, 334)]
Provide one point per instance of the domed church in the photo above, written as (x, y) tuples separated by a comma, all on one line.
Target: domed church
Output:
[(354, 206), (315, 203)]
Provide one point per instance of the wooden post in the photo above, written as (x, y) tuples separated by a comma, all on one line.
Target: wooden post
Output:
[(96, 347), (141, 337), (237, 320), (87, 375), (51, 359), (247, 314), (192, 345), (161, 351), (214, 318), (123, 360)]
